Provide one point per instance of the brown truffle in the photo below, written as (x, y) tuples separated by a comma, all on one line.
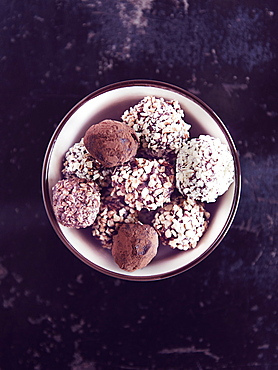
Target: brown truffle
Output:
[(144, 183), (111, 142), (76, 202), (113, 212), (134, 246)]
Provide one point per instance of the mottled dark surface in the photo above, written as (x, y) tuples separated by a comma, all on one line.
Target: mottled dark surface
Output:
[(56, 312)]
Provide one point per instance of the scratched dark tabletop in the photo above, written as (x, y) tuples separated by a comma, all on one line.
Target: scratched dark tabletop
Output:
[(55, 311)]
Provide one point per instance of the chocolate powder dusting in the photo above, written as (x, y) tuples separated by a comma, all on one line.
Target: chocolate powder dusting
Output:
[(134, 246), (111, 142)]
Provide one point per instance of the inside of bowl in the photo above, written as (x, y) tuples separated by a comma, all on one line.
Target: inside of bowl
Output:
[(112, 104)]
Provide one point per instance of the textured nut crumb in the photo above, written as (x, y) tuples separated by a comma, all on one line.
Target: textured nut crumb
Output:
[(141, 189), (159, 124), (76, 202), (181, 223), (79, 162), (204, 168), (112, 214)]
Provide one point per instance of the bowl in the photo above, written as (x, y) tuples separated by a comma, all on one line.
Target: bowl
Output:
[(110, 102)]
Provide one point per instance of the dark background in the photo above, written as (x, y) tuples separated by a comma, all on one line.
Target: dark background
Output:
[(56, 312)]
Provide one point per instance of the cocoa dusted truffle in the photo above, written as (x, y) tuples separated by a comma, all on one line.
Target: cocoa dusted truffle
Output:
[(111, 142), (204, 168), (134, 246), (76, 202)]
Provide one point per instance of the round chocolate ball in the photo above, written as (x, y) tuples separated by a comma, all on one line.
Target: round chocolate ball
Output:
[(76, 202), (111, 142), (134, 246)]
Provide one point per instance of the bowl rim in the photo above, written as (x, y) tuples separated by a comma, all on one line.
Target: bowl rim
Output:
[(47, 196)]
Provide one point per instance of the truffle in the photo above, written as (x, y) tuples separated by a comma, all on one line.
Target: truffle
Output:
[(112, 214), (144, 183), (79, 162), (159, 124), (76, 202), (134, 246), (204, 168), (112, 143), (181, 223)]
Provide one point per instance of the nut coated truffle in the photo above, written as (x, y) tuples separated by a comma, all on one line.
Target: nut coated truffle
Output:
[(159, 124), (111, 142), (113, 212), (134, 246), (181, 223), (79, 162), (76, 202), (144, 183), (204, 168)]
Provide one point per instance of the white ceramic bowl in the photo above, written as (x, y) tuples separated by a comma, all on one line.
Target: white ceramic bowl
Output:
[(111, 102)]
